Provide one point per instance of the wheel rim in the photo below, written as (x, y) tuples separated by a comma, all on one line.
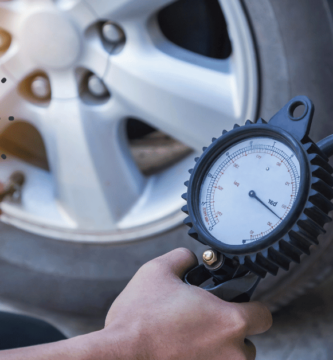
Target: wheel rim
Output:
[(95, 191)]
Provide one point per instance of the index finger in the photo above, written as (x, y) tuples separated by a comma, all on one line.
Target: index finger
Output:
[(178, 261)]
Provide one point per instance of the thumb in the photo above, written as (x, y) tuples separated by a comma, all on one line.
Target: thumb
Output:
[(178, 262)]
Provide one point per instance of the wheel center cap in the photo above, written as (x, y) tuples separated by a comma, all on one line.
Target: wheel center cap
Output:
[(51, 40)]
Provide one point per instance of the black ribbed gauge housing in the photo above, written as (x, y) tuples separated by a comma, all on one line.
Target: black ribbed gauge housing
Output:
[(304, 222)]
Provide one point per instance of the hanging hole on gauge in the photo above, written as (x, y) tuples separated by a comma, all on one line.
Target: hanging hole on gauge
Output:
[(297, 110)]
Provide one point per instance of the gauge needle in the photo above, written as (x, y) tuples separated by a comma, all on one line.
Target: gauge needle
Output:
[(253, 194)]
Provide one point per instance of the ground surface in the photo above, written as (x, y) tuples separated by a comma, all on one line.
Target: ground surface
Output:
[(303, 330)]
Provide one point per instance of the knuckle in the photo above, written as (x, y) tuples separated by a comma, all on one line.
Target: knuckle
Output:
[(239, 321), (182, 254), (155, 266), (167, 259), (152, 265), (187, 251)]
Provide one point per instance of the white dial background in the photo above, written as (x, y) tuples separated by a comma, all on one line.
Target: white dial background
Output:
[(261, 165)]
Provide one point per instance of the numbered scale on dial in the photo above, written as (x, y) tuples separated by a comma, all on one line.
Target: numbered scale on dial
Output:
[(260, 194), (249, 190)]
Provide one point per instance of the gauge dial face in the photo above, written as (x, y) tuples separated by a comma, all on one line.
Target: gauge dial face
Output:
[(249, 190)]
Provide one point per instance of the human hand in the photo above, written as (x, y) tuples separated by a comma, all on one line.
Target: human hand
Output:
[(158, 316)]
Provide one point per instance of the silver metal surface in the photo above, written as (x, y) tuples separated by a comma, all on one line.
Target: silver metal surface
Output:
[(95, 191), (4, 40), (96, 86), (40, 87), (112, 33)]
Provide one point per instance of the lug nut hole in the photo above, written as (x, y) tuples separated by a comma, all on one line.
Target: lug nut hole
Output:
[(112, 33)]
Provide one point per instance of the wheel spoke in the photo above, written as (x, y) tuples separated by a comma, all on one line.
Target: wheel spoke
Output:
[(175, 95), (124, 9), (63, 84), (14, 105), (94, 58), (16, 64), (96, 179), (81, 13), (7, 86), (10, 13), (7, 93), (37, 205)]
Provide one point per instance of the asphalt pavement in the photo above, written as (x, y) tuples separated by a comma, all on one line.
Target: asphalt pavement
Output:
[(303, 330)]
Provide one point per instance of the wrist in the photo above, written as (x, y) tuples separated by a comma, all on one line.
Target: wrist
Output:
[(98, 345), (109, 344), (93, 346)]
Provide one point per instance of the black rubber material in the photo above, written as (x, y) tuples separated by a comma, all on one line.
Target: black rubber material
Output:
[(326, 145), (303, 224), (210, 155), (294, 42), (19, 331), (234, 290)]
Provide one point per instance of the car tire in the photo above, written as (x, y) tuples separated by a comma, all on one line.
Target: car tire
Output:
[(72, 284), (295, 51)]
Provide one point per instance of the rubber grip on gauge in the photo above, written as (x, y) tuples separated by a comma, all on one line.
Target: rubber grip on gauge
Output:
[(233, 290)]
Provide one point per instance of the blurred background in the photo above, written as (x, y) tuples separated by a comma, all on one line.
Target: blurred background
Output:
[(111, 101)]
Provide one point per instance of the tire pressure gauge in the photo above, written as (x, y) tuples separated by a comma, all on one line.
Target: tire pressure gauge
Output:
[(259, 196)]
